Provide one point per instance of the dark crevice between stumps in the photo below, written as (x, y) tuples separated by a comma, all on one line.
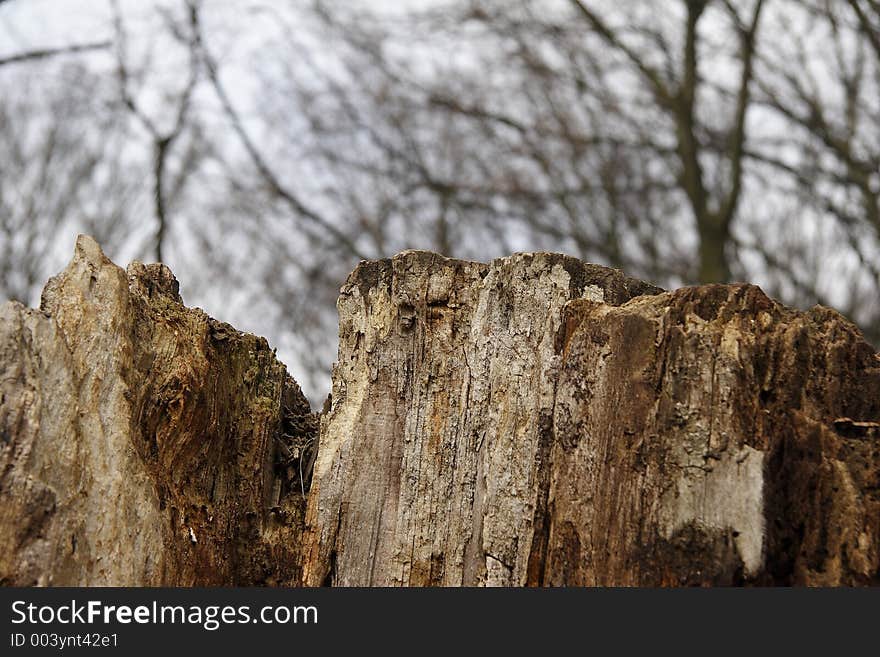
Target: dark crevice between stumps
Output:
[(296, 444)]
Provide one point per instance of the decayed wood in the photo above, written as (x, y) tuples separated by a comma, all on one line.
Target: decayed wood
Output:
[(433, 454), (537, 421), (531, 421), (712, 436), (139, 438)]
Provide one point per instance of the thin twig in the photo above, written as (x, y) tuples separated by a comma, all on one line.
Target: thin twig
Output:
[(45, 53)]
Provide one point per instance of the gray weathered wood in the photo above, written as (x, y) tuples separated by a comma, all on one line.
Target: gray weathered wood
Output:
[(538, 421)]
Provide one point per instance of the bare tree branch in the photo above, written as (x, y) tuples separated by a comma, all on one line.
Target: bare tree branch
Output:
[(46, 53), (260, 163), (870, 29), (747, 34), (163, 140)]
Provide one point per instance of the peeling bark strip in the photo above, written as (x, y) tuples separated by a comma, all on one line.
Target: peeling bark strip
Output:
[(533, 421), (538, 421), (139, 438)]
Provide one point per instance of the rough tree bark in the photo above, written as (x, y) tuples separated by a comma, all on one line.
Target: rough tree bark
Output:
[(533, 421)]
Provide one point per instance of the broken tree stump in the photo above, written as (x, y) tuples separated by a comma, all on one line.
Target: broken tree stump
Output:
[(539, 421), (534, 421), (138, 438)]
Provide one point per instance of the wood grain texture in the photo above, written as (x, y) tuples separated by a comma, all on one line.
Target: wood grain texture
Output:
[(433, 464), (138, 438), (539, 421), (533, 421)]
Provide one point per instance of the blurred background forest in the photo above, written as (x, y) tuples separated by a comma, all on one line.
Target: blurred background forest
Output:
[(262, 148)]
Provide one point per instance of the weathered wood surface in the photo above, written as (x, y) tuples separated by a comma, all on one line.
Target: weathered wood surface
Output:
[(532, 421), (537, 421), (138, 438), (712, 436)]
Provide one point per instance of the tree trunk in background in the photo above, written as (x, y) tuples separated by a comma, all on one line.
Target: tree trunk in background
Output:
[(138, 438), (714, 265), (534, 421)]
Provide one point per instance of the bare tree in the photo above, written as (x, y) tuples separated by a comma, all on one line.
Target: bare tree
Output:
[(62, 156), (709, 142), (820, 78), (683, 146)]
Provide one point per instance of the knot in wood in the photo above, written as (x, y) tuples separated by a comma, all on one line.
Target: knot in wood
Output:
[(406, 317)]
